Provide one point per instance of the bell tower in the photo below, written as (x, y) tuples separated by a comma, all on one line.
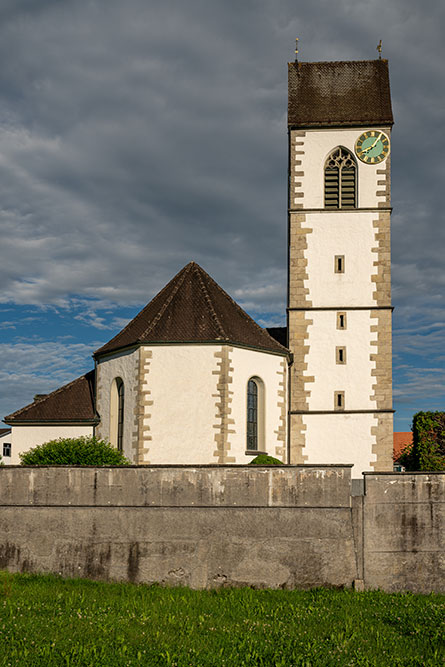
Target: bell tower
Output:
[(339, 265)]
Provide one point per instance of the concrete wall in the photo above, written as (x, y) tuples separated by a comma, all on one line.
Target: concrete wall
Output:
[(208, 526), (197, 526), (404, 531)]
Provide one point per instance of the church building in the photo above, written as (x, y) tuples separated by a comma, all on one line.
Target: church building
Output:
[(192, 379)]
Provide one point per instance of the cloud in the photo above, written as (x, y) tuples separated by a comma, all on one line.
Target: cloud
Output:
[(137, 136), (146, 135), (38, 368)]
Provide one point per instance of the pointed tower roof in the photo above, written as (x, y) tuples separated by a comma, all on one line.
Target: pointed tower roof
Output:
[(343, 93), (193, 308)]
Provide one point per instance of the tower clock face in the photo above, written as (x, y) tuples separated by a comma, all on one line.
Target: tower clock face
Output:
[(372, 147)]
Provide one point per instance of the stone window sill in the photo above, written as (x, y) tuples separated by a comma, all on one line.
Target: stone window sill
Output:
[(254, 452)]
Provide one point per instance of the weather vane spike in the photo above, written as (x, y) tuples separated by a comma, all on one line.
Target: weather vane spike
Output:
[(296, 49), (379, 49)]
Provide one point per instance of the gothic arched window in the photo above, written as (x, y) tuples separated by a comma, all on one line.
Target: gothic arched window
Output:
[(117, 400), (255, 414), (340, 179)]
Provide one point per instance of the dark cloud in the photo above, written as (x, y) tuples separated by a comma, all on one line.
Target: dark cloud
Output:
[(137, 136)]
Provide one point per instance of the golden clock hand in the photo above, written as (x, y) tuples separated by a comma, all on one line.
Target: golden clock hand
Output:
[(366, 150), (376, 140)]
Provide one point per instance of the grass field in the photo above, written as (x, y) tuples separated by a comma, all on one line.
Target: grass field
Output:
[(51, 621)]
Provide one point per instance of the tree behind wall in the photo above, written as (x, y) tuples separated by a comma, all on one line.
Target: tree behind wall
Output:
[(428, 449)]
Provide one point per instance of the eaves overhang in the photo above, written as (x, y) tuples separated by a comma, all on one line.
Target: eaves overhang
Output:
[(284, 353), (50, 422)]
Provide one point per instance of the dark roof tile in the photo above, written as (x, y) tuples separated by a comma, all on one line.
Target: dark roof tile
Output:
[(192, 307), (73, 402), (346, 93)]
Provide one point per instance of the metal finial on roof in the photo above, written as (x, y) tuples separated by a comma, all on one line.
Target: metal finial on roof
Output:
[(296, 49), (379, 49)]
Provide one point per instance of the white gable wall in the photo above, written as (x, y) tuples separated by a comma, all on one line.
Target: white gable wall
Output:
[(23, 438), (5, 438)]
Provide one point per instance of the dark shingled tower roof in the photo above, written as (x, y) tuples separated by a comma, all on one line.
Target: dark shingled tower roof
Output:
[(346, 93), (193, 308), (72, 403)]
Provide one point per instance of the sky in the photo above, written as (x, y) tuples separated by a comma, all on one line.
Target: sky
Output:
[(137, 136)]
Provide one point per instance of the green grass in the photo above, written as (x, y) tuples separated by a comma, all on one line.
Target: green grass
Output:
[(45, 620)]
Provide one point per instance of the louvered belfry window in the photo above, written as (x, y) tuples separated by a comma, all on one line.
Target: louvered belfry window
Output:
[(340, 179)]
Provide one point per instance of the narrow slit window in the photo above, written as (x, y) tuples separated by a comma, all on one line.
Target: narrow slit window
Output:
[(120, 418), (339, 264), (252, 415), (6, 449), (339, 400), (341, 320), (340, 179), (117, 412), (340, 355)]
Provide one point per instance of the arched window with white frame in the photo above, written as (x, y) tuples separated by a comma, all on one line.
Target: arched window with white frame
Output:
[(255, 415), (340, 179), (117, 404)]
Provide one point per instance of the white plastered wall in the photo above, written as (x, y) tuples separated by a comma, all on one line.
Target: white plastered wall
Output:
[(23, 438), (247, 364), (183, 381), (126, 366), (351, 235), (183, 417), (354, 377), (340, 438), (316, 146)]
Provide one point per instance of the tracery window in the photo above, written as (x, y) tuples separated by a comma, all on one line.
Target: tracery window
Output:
[(340, 179)]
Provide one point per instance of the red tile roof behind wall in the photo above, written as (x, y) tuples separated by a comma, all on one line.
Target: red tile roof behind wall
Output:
[(401, 439)]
